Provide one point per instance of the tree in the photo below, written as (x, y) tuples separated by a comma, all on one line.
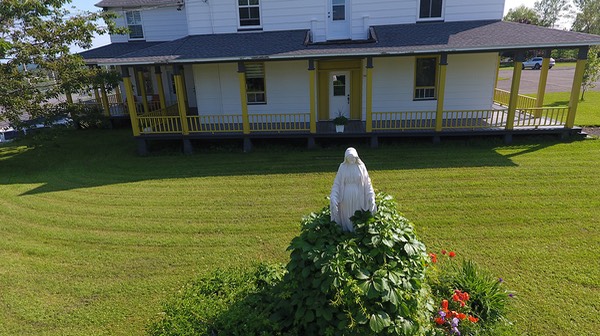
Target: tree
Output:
[(592, 71), (39, 32), (522, 14), (550, 11), (587, 17)]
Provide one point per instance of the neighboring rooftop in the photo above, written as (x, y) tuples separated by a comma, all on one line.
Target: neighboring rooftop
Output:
[(389, 40)]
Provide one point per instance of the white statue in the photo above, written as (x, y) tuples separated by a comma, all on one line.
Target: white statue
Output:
[(351, 191)]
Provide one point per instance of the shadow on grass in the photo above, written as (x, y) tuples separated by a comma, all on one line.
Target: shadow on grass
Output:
[(82, 159)]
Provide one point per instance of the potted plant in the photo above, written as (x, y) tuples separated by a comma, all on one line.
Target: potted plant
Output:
[(340, 121)]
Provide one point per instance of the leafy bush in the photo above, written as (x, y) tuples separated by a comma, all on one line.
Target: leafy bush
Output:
[(227, 302), (88, 116), (488, 299), (363, 282)]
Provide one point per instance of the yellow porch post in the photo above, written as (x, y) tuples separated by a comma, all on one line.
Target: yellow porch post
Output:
[(312, 96), (576, 88), (541, 92), (182, 107), (97, 95), (369, 96), (105, 105), (439, 111), (514, 90), (161, 90), (118, 94), (69, 97), (497, 70), (130, 103), (243, 97), (142, 89)]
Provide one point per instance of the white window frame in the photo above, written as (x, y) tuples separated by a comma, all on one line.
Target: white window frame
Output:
[(440, 18), (141, 24), (239, 21), (420, 92)]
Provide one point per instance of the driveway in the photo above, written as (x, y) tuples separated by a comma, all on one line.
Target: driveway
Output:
[(559, 80)]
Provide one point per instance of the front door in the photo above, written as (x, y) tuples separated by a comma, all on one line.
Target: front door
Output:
[(339, 94), (338, 20)]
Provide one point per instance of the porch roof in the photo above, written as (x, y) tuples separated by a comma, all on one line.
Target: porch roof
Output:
[(388, 40), (133, 3)]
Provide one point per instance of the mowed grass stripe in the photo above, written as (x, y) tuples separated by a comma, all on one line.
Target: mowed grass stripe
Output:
[(95, 238)]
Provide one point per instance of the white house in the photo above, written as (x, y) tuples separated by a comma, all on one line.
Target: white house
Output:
[(280, 68)]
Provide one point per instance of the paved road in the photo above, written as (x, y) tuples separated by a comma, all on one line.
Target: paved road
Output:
[(559, 80)]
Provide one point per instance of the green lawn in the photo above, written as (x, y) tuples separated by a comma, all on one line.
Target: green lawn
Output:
[(588, 110), (557, 65), (95, 238)]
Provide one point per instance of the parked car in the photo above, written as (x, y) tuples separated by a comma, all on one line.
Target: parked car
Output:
[(535, 63)]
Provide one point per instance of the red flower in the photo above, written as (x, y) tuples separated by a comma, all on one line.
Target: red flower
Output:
[(465, 296), (433, 257), (445, 305), (452, 254), (453, 313), (461, 316), (462, 303), (473, 319), (439, 320), (455, 297), (444, 252)]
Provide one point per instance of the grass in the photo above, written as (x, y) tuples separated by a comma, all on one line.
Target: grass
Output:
[(588, 110), (557, 65), (95, 238)]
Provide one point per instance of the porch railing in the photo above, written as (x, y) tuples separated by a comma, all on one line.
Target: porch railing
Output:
[(279, 122), (422, 120), (215, 123), (474, 119), (502, 97), (541, 117), (161, 121)]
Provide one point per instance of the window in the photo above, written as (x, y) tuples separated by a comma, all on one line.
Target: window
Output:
[(425, 78), (430, 9), (338, 8), (134, 23), (255, 83), (249, 11)]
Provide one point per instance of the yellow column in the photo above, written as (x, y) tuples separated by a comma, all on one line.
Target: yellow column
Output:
[(69, 97), (243, 97), (105, 105), (439, 111), (369, 96), (142, 89), (576, 88), (497, 71), (161, 90), (182, 107), (118, 94), (312, 96), (135, 126), (97, 95), (514, 90), (539, 101)]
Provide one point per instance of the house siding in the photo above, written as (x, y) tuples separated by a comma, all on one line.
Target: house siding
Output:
[(160, 24), (287, 89), (467, 10)]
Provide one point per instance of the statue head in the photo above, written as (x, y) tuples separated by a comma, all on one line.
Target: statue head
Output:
[(351, 156)]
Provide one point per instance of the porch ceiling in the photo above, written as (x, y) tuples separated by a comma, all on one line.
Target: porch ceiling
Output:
[(389, 40)]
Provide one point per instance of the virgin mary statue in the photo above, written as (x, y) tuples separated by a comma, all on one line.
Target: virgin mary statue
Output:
[(351, 191)]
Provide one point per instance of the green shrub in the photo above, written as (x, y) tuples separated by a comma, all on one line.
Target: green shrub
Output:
[(227, 302), (363, 282), (488, 298)]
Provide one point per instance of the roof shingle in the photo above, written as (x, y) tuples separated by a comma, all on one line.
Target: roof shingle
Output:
[(420, 38)]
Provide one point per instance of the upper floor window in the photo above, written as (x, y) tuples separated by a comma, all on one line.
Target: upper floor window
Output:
[(249, 11), (255, 83), (134, 23), (425, 78), (430, 9)]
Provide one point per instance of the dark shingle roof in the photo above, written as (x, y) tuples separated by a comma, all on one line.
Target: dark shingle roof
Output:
[(115, 50), (420, 38), (133, 3)]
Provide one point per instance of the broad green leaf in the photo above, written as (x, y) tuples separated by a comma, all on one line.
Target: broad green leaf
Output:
[(379, 321)]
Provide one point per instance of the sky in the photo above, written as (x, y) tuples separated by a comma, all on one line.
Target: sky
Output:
[(88, 5)]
